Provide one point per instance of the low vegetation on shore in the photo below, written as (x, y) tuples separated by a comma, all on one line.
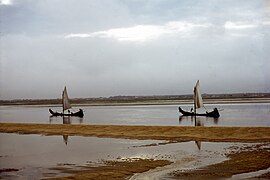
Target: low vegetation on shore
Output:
[(151, 100)]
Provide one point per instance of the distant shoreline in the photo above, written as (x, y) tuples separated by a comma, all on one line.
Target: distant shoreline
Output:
[(146, 100)]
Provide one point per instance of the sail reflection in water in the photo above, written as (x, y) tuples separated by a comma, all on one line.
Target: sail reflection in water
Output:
[(66, 120), (197, 121)]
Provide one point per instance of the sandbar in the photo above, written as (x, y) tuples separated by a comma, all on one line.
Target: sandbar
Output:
[(243, 161), (170, 133), (246, 160), (115, 169)]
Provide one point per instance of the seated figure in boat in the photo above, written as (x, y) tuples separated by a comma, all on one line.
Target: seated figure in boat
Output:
[(213, 113)]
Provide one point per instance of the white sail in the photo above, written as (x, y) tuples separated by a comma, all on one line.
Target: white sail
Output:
[(198, 102), (66, 104)]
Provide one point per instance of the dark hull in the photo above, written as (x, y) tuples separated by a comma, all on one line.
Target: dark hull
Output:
[(213, 113), (78, 114)]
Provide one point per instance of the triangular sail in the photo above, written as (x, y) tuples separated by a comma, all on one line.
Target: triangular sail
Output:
[(66, 104), (198, 102)]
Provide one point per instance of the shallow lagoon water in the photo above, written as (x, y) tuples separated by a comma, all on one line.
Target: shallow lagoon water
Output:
[(253, 114), (35, 156)]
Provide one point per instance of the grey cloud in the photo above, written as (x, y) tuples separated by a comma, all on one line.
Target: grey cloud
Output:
[(37, 62), (39, 17)]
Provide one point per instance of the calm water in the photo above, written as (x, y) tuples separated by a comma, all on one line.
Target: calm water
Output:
[(38, 156), (255, 114)]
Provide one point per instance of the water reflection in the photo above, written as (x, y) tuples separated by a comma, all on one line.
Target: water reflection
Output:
[(215, 120), (34, 155), (66, 120), (192, 120), (254, 114), (196, 121), (65, 139)]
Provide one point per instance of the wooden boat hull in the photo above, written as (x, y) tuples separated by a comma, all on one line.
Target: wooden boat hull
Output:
[(78, 114), (213, 113)]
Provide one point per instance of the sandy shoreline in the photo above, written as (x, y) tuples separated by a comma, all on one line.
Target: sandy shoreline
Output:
[(249, 159), (174, 133), (115, 169), (243, 161)]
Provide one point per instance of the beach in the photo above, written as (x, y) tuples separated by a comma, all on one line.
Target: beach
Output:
[(245, 160)]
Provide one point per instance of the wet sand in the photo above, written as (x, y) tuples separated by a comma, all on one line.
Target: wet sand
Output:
[(246, 160), (242, 161), (174, 133), (115, 169), (239, 162)]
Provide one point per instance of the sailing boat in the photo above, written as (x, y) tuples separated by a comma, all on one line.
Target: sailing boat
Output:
[(66, 106), (198, 103)]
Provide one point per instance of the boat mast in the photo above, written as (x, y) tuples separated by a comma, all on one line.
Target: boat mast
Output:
[(194, 96), (63, 102)]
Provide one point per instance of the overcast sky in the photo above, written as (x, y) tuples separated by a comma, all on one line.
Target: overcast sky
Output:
[(133, 47)]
